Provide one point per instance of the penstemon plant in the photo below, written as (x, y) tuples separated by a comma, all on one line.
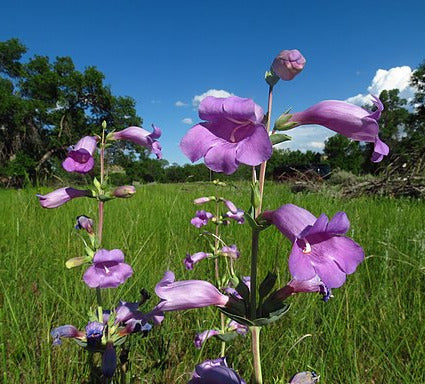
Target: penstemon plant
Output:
[(107, 329), (233, 131)]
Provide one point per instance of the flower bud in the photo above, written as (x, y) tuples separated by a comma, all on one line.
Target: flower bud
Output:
[(84, 222), (288, 64), (109, 360), (125, 191)]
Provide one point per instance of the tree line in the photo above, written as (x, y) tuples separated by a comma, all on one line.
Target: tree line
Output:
[(47, 104)]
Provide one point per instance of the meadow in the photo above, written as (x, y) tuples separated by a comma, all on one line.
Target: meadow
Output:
[(372, 331)]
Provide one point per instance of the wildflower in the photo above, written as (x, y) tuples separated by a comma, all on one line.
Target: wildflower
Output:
[(288, 64), (201, 218), (230, 251), (215, 372), (84, 222), (305, 378), (80, 157), (203, 200), (191, 260), (140, 136), (297, 286), (124, 191), (349, 120), (68, 331), (61, 196), (109, 360), (94, 333), (232, 134), (319, 247), (202, 337), (187, 294), (238, 216), (108, 269)]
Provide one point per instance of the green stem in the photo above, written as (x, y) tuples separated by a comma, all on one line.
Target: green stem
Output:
[(253, 283), (255, 346), (262, 175)]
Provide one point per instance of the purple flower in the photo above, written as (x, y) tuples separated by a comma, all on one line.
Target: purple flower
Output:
[(80, 157), (191, 260), (319, 247), (187, 294), (238, 216), (202, 337), (68, 331), (203, 200), (297, 286), (288, 64), (142, 137), (61, 196), (215, 372), (305, 378), (109, 360), (232, 134), (349, 120), (201, 218), (125, 191), (108, 269), (94, 332), (231, 206), (84, 222), (234, 326), (230, 251)]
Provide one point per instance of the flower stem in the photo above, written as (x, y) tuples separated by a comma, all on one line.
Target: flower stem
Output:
[(262, 175), (255, 345), (253, 282)]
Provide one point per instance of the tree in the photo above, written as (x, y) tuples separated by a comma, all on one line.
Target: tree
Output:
[(344, 154), (47, 105)]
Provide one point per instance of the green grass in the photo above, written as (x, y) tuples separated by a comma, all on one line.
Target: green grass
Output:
[(372, 331)]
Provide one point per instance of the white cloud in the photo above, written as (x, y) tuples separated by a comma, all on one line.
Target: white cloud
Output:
[(180, 103), (211, 92), (302, 138), (187, 120), (316, 144), (394, 78)]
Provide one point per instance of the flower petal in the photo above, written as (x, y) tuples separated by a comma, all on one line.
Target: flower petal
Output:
[(197, 141), (222, 158), (256, 148), (300, 265)]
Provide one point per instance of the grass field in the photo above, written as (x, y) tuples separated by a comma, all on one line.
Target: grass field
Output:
[(372, 331)]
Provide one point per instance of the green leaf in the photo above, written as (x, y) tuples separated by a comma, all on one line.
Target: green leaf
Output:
[(240, 319), (277, 138), (226, 337), (267, 284), (97, 184), (272, 317)]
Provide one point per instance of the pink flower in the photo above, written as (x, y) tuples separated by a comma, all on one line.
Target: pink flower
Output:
[(61, 196), (108, 269), (80, 157), (187, 294), (140, 136), (288, 64)]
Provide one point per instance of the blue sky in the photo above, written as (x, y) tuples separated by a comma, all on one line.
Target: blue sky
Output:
[(164, 52)]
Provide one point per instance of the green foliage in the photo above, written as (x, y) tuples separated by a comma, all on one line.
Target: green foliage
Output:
[(343, 153), (47, 105), (369, 332)]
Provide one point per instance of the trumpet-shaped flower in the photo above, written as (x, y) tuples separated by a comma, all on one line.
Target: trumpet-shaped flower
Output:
[(297, 286), (80, 157), (201, 218), (61, 196), (349, 120), (288, 64), (67, 331), (84, 222), (319, 247), (215, 372), (108, 269), (142, 137), (187, 294), (233, 133), (191, 260), (305, 378), (202, 337)]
